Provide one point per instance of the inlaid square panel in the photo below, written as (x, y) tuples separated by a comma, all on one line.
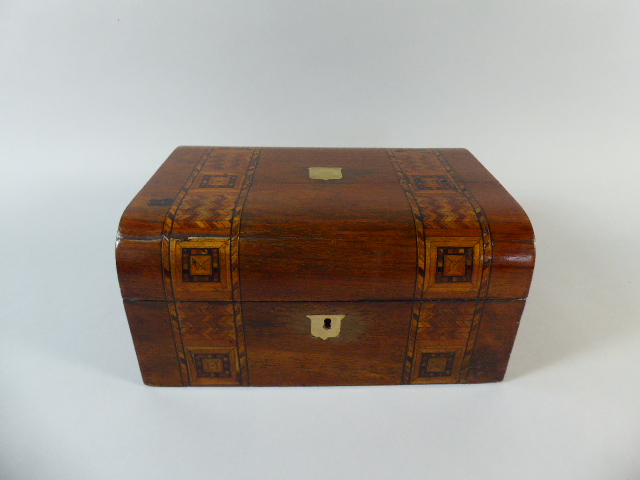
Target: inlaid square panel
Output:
[(212, 365), (201, 264), (435, 364), (200, 269), (454, 265), (432, 182), (223, 180)]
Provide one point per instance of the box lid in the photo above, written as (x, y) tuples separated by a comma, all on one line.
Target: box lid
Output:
[(323, 224)]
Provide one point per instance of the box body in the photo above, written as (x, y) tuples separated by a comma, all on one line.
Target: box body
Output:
[(319, 266)]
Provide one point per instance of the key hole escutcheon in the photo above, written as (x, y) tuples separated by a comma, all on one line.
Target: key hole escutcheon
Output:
[(325, 326)]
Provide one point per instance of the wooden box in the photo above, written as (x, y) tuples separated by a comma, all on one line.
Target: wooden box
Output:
[(323, 266)]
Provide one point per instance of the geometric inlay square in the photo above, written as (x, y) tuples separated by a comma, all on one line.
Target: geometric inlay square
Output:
[(219, 181), (436, 364), (454, 264), (200, 268), (200, 264), (212, 365), (432, 182), (453, 267)]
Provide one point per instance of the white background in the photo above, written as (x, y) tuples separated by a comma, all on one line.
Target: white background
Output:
[(95, 95)]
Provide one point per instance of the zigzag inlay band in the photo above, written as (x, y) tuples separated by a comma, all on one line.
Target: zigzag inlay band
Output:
[(421, 270), (487, 256), (166, 267), (182, 216), (235, 267), (448, 205)]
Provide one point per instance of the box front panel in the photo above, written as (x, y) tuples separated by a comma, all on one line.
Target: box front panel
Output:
[(360, 343), (317, 343), (284, 348)]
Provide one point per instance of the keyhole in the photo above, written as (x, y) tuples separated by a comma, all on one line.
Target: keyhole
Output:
[(327, 324)]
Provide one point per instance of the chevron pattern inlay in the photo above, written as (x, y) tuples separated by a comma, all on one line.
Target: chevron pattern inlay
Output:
[(210, 321), (211, 201), (447, 210), (446, 217), (445, 321)]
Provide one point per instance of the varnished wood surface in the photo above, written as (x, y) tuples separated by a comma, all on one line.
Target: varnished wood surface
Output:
[(326, 239), (369, 350), (289, 246), (498, 328), (139, 265), (155, 346), (512, 269)]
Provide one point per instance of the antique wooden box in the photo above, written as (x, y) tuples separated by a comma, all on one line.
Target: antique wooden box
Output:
[(323, 266)]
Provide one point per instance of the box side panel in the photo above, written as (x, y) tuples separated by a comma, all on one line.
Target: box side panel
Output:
[(508, 221), (139, 265), (497, 333), (150, 326), (146, 213), (512, 269), (511, 233)]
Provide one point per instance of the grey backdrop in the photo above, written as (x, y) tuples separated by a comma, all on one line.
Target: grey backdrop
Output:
[(95, 95)]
